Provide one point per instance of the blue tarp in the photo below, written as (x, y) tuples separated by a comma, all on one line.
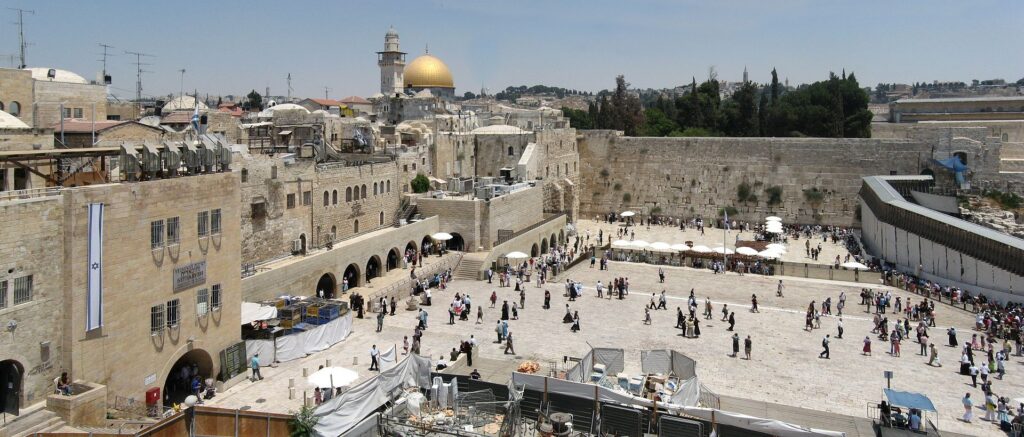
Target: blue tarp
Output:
[(908, 400), (953, 163)]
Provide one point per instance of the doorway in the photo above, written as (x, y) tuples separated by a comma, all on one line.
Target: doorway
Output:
[(11, 374), (326, 287), (195, 365)]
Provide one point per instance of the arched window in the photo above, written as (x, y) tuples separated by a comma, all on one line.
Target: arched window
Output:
[(327, 198), (374, 188), (334, 197), (348, 194), (363, 196), (355, 227), (334, 232), (389, 182), (382, 218), (511, 151), (574, 167), (15, 109)]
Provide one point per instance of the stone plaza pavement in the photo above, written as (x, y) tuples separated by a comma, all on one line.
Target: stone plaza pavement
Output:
[(785, 368)]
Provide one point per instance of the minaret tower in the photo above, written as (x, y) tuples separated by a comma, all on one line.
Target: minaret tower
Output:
[(392, 65)]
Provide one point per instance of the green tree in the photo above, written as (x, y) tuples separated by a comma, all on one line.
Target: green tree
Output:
[(775, 87), (578, 119), (303, 422), (657, 124), (255, 101), (420, 184)]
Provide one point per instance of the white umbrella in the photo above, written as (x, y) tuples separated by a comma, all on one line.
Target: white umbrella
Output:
[(772, 218), (661, 246), (778, 246), (774, 225), (639, 244), (442, 236), (746, 251), (516, 255), (854, 265), (680, 247), (628, 214), (620, 243), (774, 230), (769, 254), (724, 251), (329, 377), (701, 249)]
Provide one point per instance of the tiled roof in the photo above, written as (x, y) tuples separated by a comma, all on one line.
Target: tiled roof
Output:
[(326, 102), (356, 100)]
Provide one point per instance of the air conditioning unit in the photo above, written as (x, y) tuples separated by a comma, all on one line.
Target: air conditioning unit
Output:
[(485, 193)]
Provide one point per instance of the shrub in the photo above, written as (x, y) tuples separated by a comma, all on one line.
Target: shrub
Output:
[(617, 186), (774, 195), (420, 184), (656, 210), (730, 209), (814, 196), (743, 192), (752, 198), (304, 421), (626, 197), (604, 172)]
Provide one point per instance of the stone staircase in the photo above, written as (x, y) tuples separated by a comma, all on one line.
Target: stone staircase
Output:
[(29, 423), (470, 266)]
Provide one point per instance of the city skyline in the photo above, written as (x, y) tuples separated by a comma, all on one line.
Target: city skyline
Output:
[(228, 49)]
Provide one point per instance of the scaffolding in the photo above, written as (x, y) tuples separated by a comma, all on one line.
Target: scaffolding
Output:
[(472, 414)]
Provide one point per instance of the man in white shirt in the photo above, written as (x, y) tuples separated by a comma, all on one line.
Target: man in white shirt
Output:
[(374, 354)]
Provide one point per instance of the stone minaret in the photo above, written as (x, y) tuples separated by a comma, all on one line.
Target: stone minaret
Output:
[(392, 65)]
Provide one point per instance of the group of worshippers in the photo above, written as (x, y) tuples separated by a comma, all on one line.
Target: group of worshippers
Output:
[(991, 366)]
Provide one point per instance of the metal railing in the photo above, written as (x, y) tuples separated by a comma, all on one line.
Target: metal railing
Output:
[(29, 193), (396, 288)]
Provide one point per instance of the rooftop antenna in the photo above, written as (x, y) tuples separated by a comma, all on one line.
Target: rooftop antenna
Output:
[(426, 49), (104, 60), (21, 33), (138, 75), (289, 87), (181, 86), (326, 90)]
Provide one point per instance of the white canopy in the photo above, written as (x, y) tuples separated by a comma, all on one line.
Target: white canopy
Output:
[(442, 236), (769, 254), (765, 426), (776, 225), (628, 214), (330, 377), (639, 244), (777, 246), (724, 250), (746, 251), (252, 312), (774, 230), (772, 218), (701, 249), (680, 247), (620, 243), (854, 265), (661, 246), (516, 255)]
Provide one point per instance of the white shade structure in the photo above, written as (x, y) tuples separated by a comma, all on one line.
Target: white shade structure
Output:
[(516, 255), (661, 246), (640, 244), (620, 243), (442, 236), (773, 225), (772, 218), (746, 251), (724, 251), (680, 247), (768, 254), (774, 230), (628, 214), (701, 249), (854, 265), (330, 377), (776, 246)]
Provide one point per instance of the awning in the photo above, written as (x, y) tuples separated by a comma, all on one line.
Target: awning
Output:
[(285, 132), (252, 312), (908, 399), (436, 180), (258, 199)]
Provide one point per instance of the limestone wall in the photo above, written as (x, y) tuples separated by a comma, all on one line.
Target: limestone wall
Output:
[(456, 216), (515, 211), (33, 247), (16, 86), (696, 177), (50, 95)]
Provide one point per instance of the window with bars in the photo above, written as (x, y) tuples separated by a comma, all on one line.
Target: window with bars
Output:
[(215, 297), (173, 231), (215, 221), (307, 198), (291, 201), (78, 112), (156, 234), (22, 289), (202, 302), (156, 319), (173, 313), (3, 294), (203, 221)]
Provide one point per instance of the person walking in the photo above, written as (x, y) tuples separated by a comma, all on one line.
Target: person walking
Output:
[(522, 299), (499, 331), (753, 303), (968, 408), (839, 327), (255, 365), (479, 314), (508, 344), (735, 345), (824, 345), (732, 320), (934, 360), (394, 304), (380, 321), (778, 291), (747, 345), (374, 354), (547, 299)]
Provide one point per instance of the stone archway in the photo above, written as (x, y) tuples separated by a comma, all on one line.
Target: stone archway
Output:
[(411, 246), (178, 384), (426, 245), (543, 245), (535, 250), (12, 379), (561, 237), (373, 268), (553, 240), (394, 259), (352, 276), (456, 243), (327, 286)]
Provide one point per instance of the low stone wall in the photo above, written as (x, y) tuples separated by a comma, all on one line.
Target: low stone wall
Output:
[(88, 408), (525, 242)]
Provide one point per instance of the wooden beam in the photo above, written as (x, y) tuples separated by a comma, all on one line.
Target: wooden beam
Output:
[(33, 171)]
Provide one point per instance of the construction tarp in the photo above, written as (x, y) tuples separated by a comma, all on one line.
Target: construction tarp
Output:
[(577, 389), (683, 366), (252, 312), (656, 361), (908, 399), (582, 370), (338, 415), (687, 393), (613, 359), (295, 346), (766, 426)]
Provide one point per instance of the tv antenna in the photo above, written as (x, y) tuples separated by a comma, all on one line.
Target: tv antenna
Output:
[(326, 90), (21, 32), (289, 87), (104, 60), (138, 74)]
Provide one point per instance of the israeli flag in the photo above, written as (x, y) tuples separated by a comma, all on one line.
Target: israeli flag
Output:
[(195, 118), (94, 302)]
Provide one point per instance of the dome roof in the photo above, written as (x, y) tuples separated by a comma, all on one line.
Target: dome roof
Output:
[(498, 129), (8, 121), (183, 103), (423, 94), (269, 112), (428, 72), (40, 73), (392, 32)]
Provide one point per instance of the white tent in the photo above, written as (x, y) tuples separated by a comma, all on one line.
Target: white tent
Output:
[(252, 312), (701, 249), (442, 236), (772, 218), (724, 250), (620, 243), (330, 377), (769, 254), (661, 246), (628, 214), (854, 265), (640, 244), (680, 247), (779, 246), (516, 255), (746, 251)]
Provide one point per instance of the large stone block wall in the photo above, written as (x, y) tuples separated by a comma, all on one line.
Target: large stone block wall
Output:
[(33, 247), (696, 177), (50, 95), (461, 216), (376, 210), (16, 86), (515, 211), (137, 277)]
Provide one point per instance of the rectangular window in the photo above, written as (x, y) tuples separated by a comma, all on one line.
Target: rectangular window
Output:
[(156, 319), (291, 201), (202, 302), (307, 197), (22, 289), (156, 234), (173, 232), (67, 112), (215, 221), (215, 297), (245, 175), (78, 112), (173, 313), (273, 172), (3, 294), (203, 220)]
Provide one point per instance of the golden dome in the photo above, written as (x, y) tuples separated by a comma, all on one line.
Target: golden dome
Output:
[(428, 72)]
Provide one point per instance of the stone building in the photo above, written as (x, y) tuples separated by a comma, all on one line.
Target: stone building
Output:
[(957, 109), (39, 95), (16, 135), (80, 133)]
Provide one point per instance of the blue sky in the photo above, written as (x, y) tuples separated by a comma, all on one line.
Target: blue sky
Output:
[(232, 46)]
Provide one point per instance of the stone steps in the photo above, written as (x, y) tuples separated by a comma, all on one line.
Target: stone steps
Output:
[(468, 269), (41, 420)]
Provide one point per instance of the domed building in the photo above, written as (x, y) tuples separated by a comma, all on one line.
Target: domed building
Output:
[(425, 73)]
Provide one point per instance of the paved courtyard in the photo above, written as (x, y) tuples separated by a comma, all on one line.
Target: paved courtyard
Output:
[(785, 367)]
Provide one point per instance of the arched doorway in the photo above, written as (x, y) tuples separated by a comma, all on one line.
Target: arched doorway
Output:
[(302, 243), (394, 259), (326, 287), (561, 237), (195, 363), (372, 268), (534, 251), (456, 243), (426, 245), (553, 241), (544, 245), (11, 377), (411, 247), (352, 276)]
